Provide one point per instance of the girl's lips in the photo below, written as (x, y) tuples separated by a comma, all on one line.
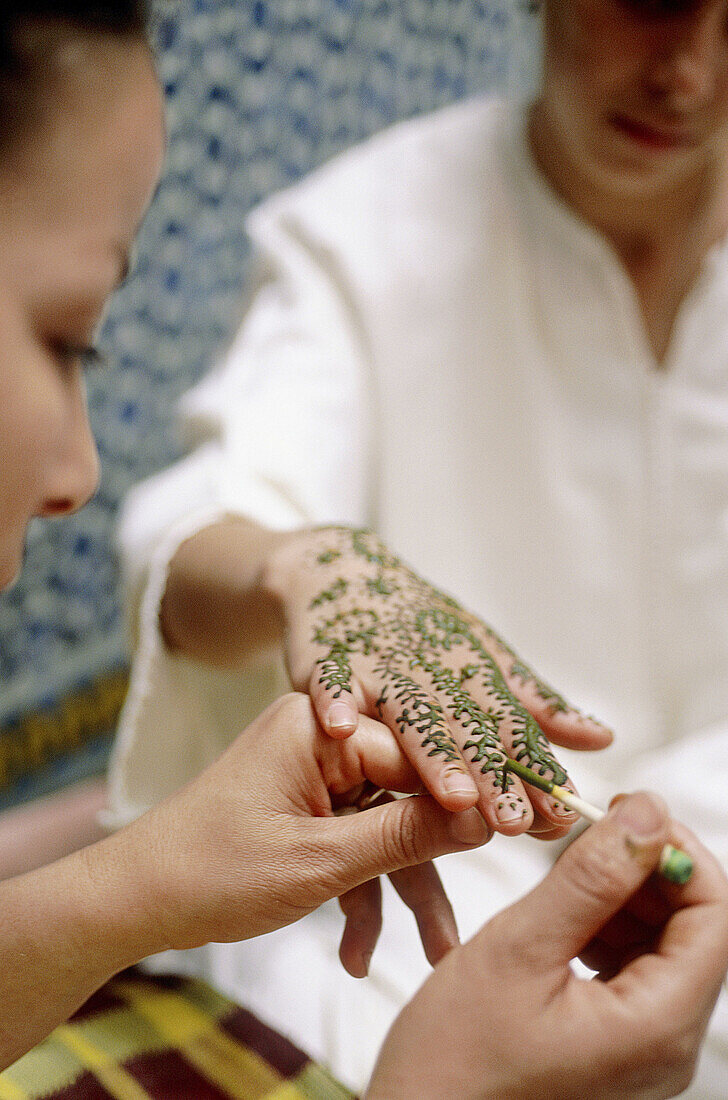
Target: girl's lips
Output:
[(651, 137)]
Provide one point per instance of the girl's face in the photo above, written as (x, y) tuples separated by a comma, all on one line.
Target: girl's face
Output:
[(635, 94), (72, 193)]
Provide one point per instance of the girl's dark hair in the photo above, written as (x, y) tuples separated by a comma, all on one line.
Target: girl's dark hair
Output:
[(22, 68)]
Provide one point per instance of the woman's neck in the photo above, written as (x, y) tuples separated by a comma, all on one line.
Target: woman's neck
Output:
[(629, 214), (661, 233)]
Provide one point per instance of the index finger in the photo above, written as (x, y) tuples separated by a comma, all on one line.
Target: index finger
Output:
[(421, 890)]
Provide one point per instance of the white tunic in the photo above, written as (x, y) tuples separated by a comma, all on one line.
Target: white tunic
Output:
[(439, 347)]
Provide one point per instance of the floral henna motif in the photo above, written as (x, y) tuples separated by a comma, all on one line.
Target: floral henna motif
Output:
[(345, 634), (423, 643), (552, 698)]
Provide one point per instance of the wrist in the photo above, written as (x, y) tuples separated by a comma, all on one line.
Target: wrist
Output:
[(119, 899), (283, 556), (292, 553), (217, 606)]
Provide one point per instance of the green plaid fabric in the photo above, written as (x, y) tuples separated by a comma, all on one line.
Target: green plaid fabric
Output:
[(158, 1038)]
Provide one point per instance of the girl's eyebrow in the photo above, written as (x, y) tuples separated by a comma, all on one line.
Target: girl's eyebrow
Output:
[(125, 260)]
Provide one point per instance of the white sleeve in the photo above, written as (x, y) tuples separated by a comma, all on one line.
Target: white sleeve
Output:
[(279, 432)]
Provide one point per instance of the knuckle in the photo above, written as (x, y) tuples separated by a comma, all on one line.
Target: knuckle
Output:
[(721, 905), (678, 1065), (323, 863), (683, 1077), (492, 953), (294, 707), (595, 871), (682, 1052), (682, 1071), (405, 845), (499, 932), (661, 1051)]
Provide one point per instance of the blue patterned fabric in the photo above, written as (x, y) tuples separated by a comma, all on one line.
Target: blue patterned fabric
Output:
[(259, 92)]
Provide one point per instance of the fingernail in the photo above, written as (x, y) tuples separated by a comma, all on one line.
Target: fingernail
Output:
[(641, 813), (468, 827), (561, 810), (366, 959), (459, 783), (510, 811), (340, 717)]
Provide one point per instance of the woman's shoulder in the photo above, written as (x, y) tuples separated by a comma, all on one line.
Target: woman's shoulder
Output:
[(415, 160)]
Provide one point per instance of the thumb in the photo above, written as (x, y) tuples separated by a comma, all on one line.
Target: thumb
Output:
[(594, 878), (401, 833)]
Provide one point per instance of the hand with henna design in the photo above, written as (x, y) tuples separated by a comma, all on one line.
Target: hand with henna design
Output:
[(365, 634)]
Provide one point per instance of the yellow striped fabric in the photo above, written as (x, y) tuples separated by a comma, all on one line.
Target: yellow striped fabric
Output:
[(158, 1038)]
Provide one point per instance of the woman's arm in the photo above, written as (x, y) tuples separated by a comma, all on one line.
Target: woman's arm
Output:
[(365, 634), (65, 929), (217, 606), (250, 845)]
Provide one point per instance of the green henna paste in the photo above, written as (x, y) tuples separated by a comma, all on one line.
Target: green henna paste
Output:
[(416, 630), (338, 588)]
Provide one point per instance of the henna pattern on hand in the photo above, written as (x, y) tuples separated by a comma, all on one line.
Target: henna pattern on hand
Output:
[(426, 651)]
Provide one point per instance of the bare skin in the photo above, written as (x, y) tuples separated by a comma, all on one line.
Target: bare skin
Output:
[(59, 260), (366, 633), (251, 845), (458, 703), (631, 129)]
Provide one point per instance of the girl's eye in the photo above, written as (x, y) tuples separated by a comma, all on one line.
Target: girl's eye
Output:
[(68, 354)]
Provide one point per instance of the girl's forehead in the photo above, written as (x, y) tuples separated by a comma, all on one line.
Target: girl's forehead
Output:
[(74, 191), (88, 169)]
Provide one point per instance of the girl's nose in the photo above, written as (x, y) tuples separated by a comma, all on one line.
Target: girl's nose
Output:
[(74, 475)]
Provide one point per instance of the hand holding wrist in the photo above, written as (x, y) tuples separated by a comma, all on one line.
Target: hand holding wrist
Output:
[(253, 842)]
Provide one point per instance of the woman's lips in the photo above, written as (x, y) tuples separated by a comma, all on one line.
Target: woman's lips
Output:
[(652, 137)]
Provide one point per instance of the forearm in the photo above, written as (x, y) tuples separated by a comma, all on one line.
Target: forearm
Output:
[(217, 607), (66, 929)]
